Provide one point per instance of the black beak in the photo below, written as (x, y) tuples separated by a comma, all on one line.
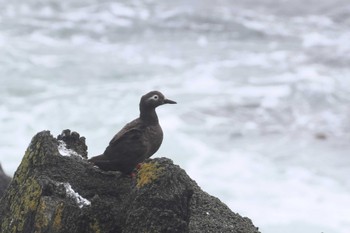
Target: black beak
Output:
[(167, 101)]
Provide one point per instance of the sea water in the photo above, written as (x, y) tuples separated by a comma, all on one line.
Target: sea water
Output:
[(263, 92)]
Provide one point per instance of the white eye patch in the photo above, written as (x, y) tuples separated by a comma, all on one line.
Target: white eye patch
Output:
[(154, 97)]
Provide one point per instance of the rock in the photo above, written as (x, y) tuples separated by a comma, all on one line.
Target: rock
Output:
[(56, 190), (4, 181), (73, 141)]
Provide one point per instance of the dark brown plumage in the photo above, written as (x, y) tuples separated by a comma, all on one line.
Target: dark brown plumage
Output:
[(137, 140)]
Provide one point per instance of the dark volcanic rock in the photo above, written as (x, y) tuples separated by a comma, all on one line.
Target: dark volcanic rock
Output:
[(4, 181), (55, 193), (74, 141)]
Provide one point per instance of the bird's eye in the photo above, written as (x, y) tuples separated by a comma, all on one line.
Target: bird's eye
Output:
[(155, 97)]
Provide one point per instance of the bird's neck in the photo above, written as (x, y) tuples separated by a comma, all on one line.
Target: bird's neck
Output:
[(149, 116)]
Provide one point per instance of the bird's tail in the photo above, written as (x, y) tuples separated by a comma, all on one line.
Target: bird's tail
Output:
[(102, 162)]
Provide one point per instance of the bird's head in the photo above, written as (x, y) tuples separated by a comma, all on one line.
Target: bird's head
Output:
[(154, 99)]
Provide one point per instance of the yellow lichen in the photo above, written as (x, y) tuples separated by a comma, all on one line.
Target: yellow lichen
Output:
[(148, 173), (29, 190), (24, 195), (41, 218), (95, 226), (57, 221), (21, 207)]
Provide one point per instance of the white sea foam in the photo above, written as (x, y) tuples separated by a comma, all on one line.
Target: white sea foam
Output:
[(263, 97)]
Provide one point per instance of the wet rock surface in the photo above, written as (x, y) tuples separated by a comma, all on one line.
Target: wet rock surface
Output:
[(55, 193)]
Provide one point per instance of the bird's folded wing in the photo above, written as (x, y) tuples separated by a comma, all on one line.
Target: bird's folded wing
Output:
[(127, 146), (132, 127)]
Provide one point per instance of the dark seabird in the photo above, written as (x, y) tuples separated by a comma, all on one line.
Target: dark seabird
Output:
[(138, 140)]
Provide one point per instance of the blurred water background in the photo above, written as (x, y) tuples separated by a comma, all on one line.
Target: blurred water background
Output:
[(263, 92)]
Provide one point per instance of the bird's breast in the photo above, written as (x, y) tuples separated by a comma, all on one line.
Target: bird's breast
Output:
[(154, 138)]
